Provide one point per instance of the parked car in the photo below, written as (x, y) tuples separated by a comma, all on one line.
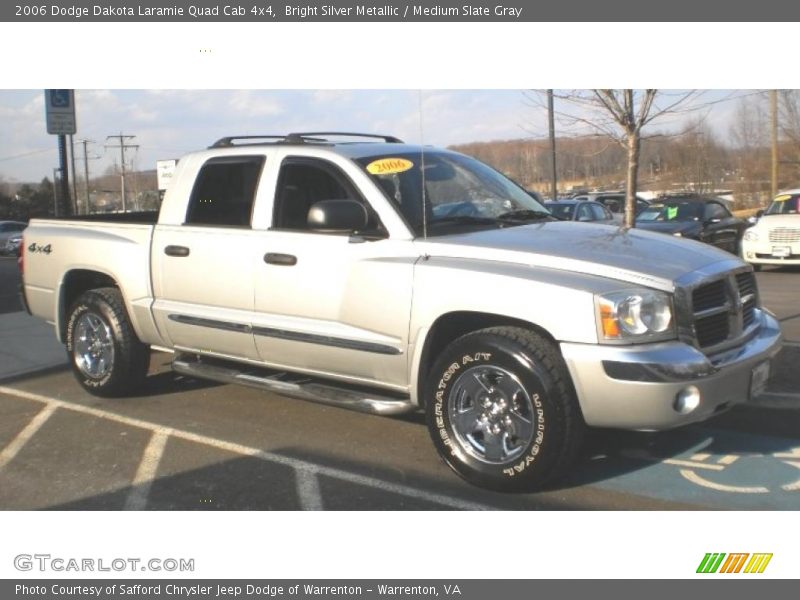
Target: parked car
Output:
[(390, 278), (580, 210), (775, 238), (12, 247), (615, 202), (702, 218), (9, 229)]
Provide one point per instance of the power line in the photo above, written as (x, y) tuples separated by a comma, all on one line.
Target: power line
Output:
[(122, 147), (86, 159), (26, 154)]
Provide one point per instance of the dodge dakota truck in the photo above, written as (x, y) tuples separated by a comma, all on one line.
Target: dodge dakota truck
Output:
[(367, 273)]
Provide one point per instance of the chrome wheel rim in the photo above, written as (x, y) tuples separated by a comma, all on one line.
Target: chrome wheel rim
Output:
[(491, 414), (94, 346)]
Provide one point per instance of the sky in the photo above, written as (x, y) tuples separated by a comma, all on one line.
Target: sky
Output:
[(169, 123)]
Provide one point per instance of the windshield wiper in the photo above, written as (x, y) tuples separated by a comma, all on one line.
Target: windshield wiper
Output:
[(465, 219), (524, 214)]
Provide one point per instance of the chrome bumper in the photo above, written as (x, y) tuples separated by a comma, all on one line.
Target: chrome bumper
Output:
[(635, 387)]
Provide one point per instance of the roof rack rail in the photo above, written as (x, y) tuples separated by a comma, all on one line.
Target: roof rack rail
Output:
[(301, 138)]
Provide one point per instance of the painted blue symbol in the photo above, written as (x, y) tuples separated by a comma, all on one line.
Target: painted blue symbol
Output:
[(60, 98)]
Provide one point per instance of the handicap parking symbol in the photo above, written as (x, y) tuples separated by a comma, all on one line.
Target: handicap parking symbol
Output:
[(708, 467), (60, 98)]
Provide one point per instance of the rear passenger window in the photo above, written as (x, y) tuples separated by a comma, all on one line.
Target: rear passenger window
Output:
[(224, 192)]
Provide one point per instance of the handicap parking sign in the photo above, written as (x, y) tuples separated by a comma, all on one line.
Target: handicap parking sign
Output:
[(60, 111)]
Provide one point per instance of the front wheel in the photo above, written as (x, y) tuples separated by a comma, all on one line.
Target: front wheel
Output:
[(502, 411), (106, 356)]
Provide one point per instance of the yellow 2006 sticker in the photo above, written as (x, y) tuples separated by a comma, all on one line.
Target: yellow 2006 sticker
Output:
[(388, 166)]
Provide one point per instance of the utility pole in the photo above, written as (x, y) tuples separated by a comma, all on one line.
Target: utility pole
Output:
[(86, 159), (773, 110), (56, 211), (122, 147), (552, 127), (64, 201), (74, 175)]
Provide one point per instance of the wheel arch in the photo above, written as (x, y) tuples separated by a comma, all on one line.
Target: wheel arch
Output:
[(451, 326), (74, 283)]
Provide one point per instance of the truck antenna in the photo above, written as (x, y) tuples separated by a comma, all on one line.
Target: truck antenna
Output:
[(422, 170)]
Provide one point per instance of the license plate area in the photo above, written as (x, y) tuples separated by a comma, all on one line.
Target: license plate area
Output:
[(758, 379), (781, 251)]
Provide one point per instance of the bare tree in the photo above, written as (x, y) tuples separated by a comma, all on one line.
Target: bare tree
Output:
[(621, 115)]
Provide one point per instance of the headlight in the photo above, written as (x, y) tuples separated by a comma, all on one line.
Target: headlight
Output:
[(751, 236), (635, 315), (678, 234)]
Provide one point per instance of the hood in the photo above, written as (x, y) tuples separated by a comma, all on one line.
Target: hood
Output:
[(769, 221), (633, 256), (671, 227)]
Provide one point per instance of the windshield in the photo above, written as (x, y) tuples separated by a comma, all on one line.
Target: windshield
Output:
[(671, 211), (459, 191), (784, 205)]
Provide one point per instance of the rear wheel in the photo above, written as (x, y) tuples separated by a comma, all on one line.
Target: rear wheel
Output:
[(502, 411), (106, 356)]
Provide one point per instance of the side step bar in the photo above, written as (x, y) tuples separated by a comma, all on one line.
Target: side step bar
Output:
[(297, 386)]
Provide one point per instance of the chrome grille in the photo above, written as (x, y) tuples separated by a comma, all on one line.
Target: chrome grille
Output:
[(784, 235), (748, 294), (724, 309)]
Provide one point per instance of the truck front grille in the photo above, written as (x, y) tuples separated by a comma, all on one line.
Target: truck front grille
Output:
[(724, 309)]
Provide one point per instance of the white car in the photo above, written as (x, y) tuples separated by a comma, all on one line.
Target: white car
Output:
[(775, 238)]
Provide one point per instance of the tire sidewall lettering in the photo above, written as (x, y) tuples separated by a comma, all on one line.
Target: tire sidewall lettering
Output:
[(440, 397)]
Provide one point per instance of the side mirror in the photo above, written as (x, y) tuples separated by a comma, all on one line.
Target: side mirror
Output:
[(760, 213), (337, 216)]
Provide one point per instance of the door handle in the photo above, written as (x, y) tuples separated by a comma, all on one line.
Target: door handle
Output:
[(284, 260), (176, 251)]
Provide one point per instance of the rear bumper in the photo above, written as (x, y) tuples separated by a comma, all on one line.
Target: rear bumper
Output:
[(635, 387)]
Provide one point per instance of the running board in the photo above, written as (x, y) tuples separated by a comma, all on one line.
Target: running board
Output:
[(294, 385)]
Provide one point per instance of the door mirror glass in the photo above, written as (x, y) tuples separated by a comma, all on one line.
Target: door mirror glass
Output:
[(337, 216)]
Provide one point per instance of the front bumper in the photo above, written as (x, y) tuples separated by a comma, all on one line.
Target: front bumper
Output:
[(635, 387), (761, 253)]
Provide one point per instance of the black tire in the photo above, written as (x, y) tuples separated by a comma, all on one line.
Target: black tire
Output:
[(126, 358), (501, 360)]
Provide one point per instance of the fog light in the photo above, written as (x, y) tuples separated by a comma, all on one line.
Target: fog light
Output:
[(750, 254), (687, 400)]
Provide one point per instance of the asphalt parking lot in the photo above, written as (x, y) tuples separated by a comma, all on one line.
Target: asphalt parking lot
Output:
[(194, 445)]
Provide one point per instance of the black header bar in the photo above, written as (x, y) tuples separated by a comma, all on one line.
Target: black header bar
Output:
[(269, 11)]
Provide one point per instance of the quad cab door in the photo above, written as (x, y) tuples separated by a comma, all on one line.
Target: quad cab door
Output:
[(331, 303), (203, 267)]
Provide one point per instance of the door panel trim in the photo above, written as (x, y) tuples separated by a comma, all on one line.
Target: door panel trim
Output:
[(284, 334), (326, 340), (211, 323)]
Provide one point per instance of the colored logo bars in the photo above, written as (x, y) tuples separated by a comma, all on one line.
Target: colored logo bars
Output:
[(713, 563)]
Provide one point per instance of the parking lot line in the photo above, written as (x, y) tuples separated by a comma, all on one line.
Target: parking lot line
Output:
[(308, 489), (10, 451), (147, 471), (234, 448)]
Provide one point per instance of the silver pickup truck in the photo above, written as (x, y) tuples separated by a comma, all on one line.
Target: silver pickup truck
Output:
[(367, 273)]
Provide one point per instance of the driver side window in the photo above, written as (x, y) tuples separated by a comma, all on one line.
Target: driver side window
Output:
[(301, 184)]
